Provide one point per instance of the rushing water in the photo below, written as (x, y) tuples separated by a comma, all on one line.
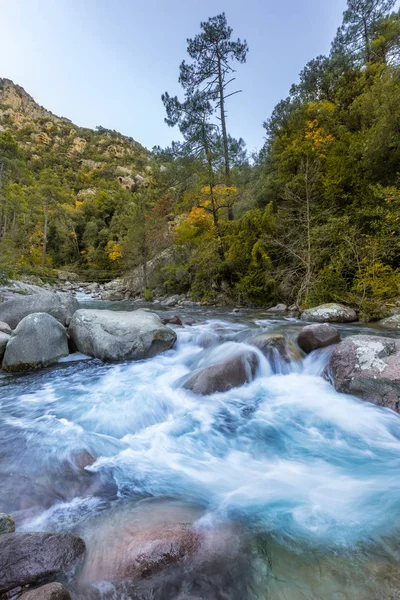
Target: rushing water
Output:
[(296, 485)]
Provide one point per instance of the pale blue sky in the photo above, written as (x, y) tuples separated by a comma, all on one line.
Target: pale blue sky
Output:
[(107, 62)]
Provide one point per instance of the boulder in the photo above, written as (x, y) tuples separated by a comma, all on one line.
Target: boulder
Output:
[(271, 344), (368, 367), (221, 377), (115, 336), (7, 524), (392, 322), (188, 321), (60, 306), (329, 313), (175, 320), (140, 551), (5, 328), (317, 336), (4, 337), (38, 340), (51, 591), (279, 308), (113, 295), (30, 557)]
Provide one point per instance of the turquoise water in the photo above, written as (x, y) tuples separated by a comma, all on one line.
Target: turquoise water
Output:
[(309, 476)]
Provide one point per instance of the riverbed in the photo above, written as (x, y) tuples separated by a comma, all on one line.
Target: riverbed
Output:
[(293, 488)]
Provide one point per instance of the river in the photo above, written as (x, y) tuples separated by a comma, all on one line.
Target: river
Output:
[(294, 488)]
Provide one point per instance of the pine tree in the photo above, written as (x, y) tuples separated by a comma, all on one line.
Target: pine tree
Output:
[(211, 71)]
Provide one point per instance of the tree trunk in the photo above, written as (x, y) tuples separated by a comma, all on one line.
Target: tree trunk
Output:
[(46, 218), (366, 40), (224, 134)]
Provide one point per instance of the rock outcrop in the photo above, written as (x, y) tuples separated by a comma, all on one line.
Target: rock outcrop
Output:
[(368, 367), (329, 313), (38, 341), (30, 557), (221, 377), (317, 336), (115, 336)]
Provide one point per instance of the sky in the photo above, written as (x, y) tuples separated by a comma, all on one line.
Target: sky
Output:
[(107, 62)]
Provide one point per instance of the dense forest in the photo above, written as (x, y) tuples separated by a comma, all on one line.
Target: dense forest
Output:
[(314, 217)]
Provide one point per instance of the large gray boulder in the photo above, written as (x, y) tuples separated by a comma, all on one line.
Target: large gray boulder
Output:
[(225, 375), (317, 336), (58, 305), (38, 340), (329, 313), (51, 591), (369, 367), (115, 336), (30, 557)]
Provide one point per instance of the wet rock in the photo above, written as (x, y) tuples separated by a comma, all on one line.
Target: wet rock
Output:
[(272, 344), (5, 328), (30, 557), (188, 321), (392, 322), (175, 320), (279, 308), (7, 524), (113, 295), (329, 313), (51, 591), (58, 305), (317, 336), (114, 336), (171, 301), (83, 459), (368, 367), (38, 340), (158, 549), (221, 377)]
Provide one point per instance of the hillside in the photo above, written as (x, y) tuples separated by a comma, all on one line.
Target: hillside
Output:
[(92, 172)]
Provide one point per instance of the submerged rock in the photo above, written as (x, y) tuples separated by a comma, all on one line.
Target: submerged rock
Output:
[(51, 591), (317, 336), (58, 305), (7, 524), (39, 340), (29, 557), (329, 313), (114, 336), (221, 377), (368, 367)]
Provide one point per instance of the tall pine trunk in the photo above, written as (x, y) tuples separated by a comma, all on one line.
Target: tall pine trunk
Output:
[(224, 134)]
